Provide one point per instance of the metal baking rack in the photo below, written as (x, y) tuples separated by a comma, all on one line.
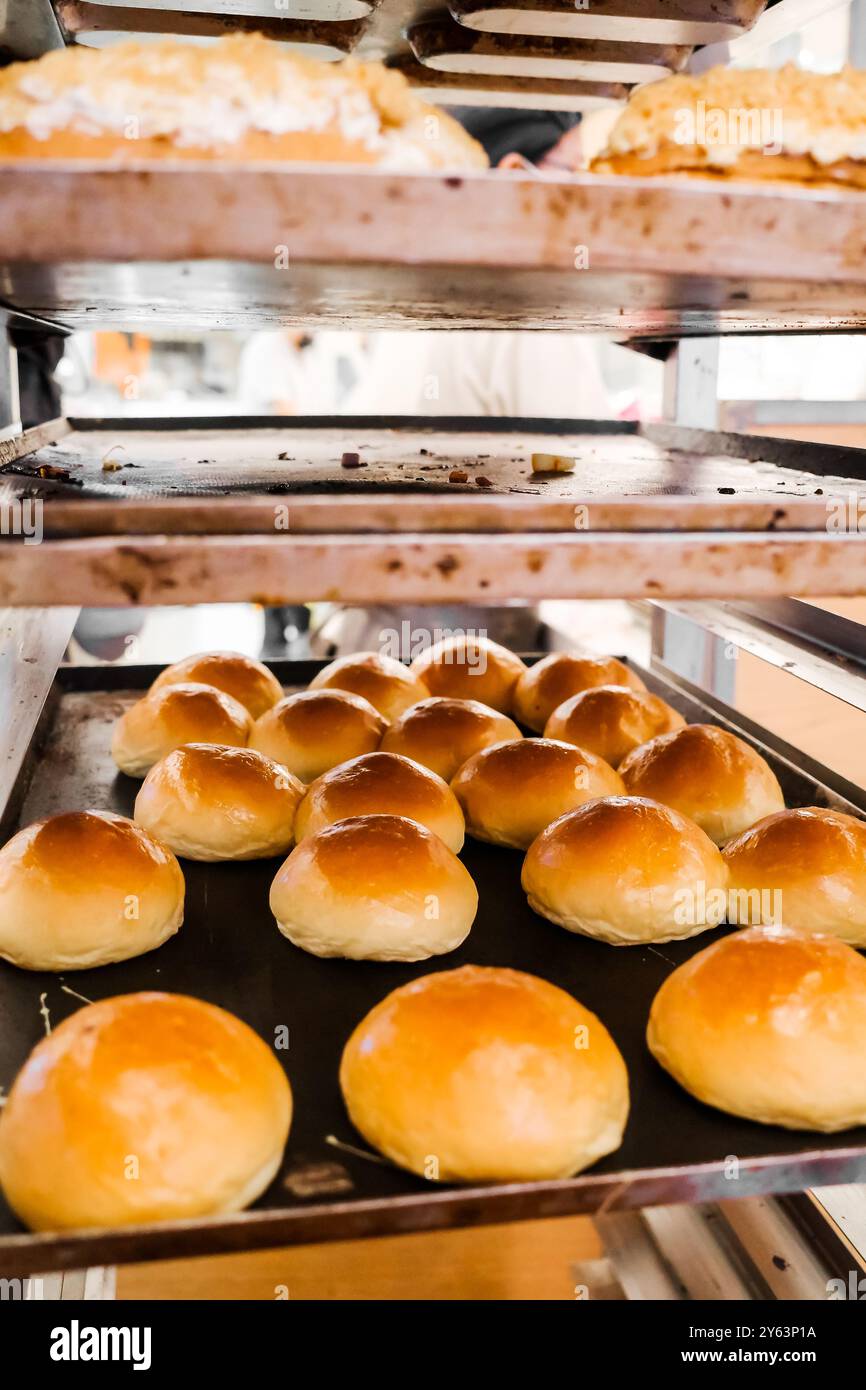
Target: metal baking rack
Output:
[(674, 263)]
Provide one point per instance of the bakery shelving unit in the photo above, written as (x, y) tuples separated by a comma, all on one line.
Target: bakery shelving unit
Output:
[(717, 530)]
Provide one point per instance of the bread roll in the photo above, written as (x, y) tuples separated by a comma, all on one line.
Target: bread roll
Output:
[(314, 730), (382, 784), (212, 803), (806, 868), (626, 870), (485, 1075), (142, 1108), (387, 684), (86, 888), (242, 98), (780, 123), (554, 679), (164, 719), (374, 888), (511, 791), (769, 1024), (470, 667), (242, 677), (611, 720), (441, 733), (707, 773)]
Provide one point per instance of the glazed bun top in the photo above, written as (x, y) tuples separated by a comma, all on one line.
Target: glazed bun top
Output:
[(707, 773), (470, 667), (314, 730), (242, 677), (441, 733), (611, 720), (560, 675), (389, 686)]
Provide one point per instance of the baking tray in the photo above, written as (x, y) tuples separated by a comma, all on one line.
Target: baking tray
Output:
[(93, 245), (230, 953), (380, 28), (254, 509)]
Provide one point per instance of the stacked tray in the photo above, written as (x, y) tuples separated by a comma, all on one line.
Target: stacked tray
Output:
[(562, 54), (229, 952)]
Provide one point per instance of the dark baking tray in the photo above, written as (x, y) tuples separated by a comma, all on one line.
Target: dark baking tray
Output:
[(229, 952)]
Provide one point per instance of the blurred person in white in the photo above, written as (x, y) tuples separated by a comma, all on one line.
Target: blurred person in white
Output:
[(283, 372), (478, 373)]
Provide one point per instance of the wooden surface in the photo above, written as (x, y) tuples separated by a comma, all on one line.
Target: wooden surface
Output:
[(152, 244), (531, 1260)]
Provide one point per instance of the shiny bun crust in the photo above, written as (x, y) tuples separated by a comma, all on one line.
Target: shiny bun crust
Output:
[(554, 679), (485, 1075), (707, 774), (771, 1025), (142, 1108), (806, 868), (387, 684), (314, 730), (467, 667), (511, 791), (382, 784), (441, 733), (626, 870), (86, 888), (611, 720), (242, 677), (176, 714), (374, 888), (213, 803)]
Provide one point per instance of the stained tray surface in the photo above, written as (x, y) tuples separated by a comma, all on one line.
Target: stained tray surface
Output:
[(230, 953)]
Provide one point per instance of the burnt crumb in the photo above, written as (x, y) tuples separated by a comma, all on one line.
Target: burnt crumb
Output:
[(285, 458), (352, 461), (728, 490), (447, 565), (453, 182), (278, 488), (483, 482), (457, 475), (778, 515), (50, 470), (780, 1262), (393, 565), (425, 453), (819, 492), (205, 460)]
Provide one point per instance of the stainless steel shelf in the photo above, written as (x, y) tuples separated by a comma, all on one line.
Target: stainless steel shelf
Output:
[(197, 244)]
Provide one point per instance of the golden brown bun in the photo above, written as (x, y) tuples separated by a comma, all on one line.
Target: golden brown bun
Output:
[(708, 774), (165, 719), (814, 136), (441, 733), (246, 680), (387, 684), (141, 1108), (626, 870), (554, 679), (611, 720), (212, 803), (468, 667), (485, 1075), (314, 730), (769, 1024), (511, 791), (806, 868), (374, 888), (382, 784), (241, 98), (83, 889)]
